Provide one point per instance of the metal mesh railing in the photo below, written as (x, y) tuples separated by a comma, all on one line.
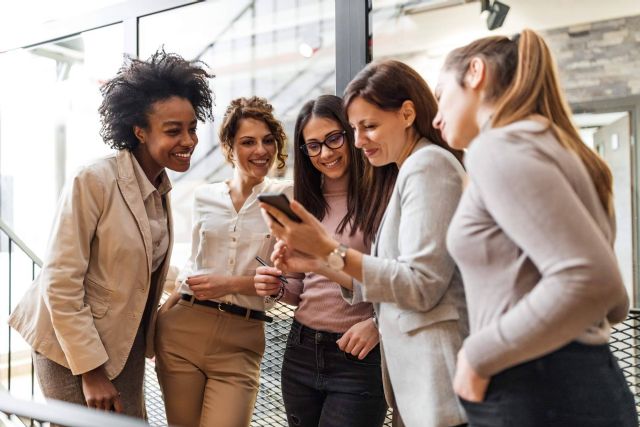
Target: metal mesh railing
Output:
[(269, 409), (626, 348)]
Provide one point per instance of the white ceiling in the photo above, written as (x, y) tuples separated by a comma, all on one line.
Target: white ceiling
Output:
[(423, 39)]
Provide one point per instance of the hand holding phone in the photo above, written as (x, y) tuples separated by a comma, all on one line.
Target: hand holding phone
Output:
[(281, 202)]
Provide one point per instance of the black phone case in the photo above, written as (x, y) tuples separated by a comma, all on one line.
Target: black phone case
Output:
[(279, 201)]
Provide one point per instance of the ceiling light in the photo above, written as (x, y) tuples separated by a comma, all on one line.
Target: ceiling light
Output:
[(306, 50)]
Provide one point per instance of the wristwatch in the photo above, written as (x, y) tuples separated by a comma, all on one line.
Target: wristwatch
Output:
[(336, 258)]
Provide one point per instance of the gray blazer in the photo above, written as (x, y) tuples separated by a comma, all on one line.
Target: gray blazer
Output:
[(417, 289)]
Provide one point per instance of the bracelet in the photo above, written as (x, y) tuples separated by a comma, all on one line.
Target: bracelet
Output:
[(275, 298)]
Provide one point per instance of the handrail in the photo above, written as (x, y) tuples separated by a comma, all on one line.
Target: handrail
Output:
[(63, 413), (14, 237)]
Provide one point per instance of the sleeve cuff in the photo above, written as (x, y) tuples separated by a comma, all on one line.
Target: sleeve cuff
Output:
[(487, 352), (353, 296), (375, 280), (88, 362)]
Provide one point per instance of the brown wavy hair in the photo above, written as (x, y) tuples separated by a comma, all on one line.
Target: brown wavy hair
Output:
[(255, 108), (523, 81)]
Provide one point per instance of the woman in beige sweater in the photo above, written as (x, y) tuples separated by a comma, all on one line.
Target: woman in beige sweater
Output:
[(533, 238)]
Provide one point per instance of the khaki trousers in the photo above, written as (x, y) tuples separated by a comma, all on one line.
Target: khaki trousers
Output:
[(208, 365)]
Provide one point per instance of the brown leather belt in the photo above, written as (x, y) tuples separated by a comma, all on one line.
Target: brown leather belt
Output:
[(230, 308)]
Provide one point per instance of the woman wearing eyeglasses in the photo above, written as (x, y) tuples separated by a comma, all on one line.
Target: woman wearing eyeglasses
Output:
[(331, 371)]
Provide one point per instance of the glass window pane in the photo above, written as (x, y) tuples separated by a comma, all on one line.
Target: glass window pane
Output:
[(49, 124), (281, 50), (252, 50)]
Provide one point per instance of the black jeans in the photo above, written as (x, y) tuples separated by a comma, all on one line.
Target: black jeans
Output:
[(323, 386), (576, 386)]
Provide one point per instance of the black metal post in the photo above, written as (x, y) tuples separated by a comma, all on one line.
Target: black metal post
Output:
[(353, 40)]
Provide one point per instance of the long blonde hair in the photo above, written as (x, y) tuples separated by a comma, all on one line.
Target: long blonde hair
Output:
[(524, 83)]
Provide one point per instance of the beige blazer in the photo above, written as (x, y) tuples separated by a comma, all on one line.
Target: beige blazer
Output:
[(417, 290), (85, 307)]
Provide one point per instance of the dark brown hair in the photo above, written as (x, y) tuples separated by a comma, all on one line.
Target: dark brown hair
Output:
[(307, 180), (255, 108), (523, 81), (128, 98), (387, 84)]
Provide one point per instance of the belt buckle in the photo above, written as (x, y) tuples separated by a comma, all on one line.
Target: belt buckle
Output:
[(191, 300), (220, 307)]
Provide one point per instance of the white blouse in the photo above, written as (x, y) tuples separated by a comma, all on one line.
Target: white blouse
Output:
[(225, 242)]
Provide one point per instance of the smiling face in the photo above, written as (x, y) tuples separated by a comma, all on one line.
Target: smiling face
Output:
[(254, 149), (457, 111), (333, 163), (170, 137), (382, 135)]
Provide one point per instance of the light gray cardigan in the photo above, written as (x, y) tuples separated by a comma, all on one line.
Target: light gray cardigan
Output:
[(417, 289)]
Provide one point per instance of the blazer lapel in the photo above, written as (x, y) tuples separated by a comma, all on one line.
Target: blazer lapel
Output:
[(423, 142), (376, 240), (130, 190)]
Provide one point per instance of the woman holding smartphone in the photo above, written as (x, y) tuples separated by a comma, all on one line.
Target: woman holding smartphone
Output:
[(533, 237), (328, 176), (414, 283), (210, 338)]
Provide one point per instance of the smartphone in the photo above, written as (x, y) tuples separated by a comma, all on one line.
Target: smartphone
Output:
[(281, 202)]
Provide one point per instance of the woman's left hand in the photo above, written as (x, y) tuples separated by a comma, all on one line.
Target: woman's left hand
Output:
[(308, 236), (207, 286), (467, 383), (360, 339)]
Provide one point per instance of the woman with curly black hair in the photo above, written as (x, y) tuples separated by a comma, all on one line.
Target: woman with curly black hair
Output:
[(210, 337), (90, 314)]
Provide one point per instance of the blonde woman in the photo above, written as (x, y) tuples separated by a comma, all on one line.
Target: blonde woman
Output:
[(210, 338), (533, 238)]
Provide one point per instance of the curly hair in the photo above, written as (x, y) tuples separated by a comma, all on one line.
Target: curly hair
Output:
[(255, 108), (129, 97)]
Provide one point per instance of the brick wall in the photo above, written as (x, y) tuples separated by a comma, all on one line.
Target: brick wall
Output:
[(599, 60)]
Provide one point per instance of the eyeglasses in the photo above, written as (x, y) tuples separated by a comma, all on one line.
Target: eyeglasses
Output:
[(333, 141)]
